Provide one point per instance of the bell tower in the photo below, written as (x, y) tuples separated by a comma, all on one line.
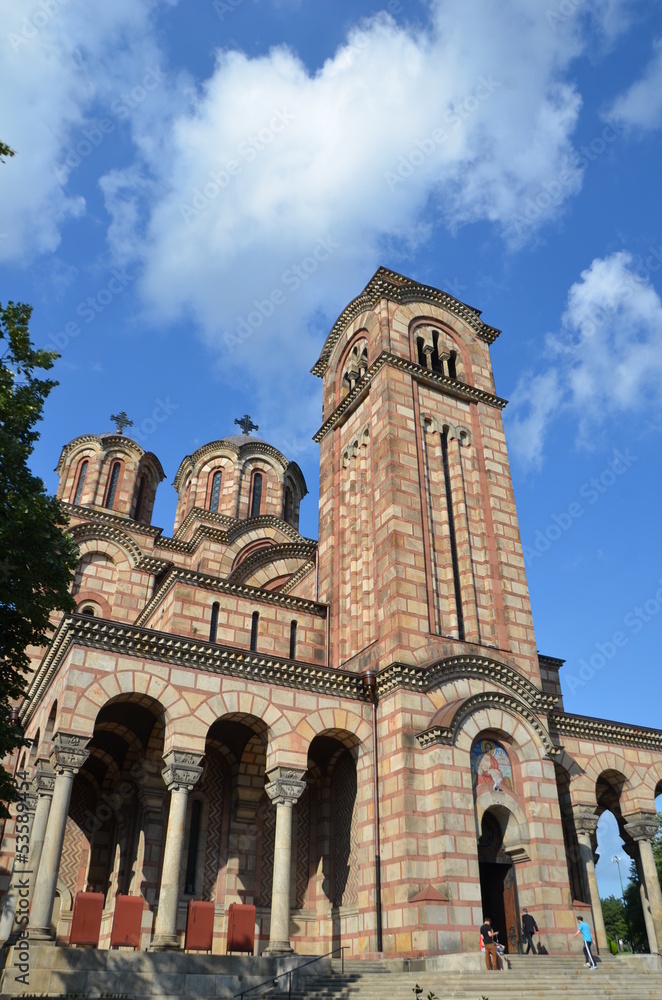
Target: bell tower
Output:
[(419, 550)]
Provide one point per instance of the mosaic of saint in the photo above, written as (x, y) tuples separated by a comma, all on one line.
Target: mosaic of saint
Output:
[(490, 766)]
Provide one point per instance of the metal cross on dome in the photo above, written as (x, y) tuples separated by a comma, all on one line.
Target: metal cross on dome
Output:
[(246, 424), (121, 421)]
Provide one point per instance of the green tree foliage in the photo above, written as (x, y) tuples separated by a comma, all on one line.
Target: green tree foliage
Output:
[(37, 556), (5, 150), (613, 912)]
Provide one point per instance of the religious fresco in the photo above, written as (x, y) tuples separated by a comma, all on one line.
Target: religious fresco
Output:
[(490, 766)]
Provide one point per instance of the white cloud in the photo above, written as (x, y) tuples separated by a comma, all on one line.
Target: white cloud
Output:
[(66, 65), (606, 361), (641, 105)]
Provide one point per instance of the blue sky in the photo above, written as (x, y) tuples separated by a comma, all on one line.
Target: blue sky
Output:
[(200, 188)]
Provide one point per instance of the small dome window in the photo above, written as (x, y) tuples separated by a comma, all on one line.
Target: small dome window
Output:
[(113, 480), (215, 494), (82, 473), (256, 494)]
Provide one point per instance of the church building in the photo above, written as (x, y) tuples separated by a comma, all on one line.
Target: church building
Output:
[(356, 735)]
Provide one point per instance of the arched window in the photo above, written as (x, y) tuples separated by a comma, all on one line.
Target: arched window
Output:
[(215, 494), (287, 505), (452, 368), (140, 498), (82, 472), (213, 623), (293, 640), (113, 480), (254, 623), (256, 494), (193, 842), (87, 610)]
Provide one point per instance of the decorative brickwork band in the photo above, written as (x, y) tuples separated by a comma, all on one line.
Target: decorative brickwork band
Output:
[(180, 774), (642, 828), (284, 788), (68, 756)]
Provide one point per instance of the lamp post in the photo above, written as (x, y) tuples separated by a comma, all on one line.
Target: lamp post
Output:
[(617, 859)]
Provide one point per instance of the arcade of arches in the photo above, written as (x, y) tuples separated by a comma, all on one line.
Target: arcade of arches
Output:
[(357, 734)]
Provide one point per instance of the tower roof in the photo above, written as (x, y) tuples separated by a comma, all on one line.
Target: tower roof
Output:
[(398, 288)]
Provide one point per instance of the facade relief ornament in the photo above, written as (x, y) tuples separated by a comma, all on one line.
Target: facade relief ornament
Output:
[(44, 778), (285, 785), (182, 770), (585, 820), (69, 752), (643, 826)]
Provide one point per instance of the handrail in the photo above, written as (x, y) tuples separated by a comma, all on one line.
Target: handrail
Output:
[(274, 979)]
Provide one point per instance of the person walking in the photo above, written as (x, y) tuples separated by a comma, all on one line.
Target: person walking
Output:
[(585, 931), (529, 928), (487, 935)]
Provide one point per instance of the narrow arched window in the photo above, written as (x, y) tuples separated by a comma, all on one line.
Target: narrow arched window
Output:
[(293, 640), (140, 498), (113, 480), (82, 472), (87, 611), (215, 494), (254, 624), (287, 505), (213, 623), (256, 494), (452, 369), (193, 841)]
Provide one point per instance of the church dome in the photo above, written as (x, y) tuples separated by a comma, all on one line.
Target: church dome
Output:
[(241, 477)]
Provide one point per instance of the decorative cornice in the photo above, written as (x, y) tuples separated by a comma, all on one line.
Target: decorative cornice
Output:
[(489, 699), (230, 528), (550, 661), (107, 441), (423, 375), (297, 577), (129, 640), (216, 586), (109, 533), (269, 554), (603, 731), (99, 515), (415, 678), (396, 287)]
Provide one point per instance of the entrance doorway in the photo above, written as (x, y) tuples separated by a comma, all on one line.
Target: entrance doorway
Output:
[(497, 884)]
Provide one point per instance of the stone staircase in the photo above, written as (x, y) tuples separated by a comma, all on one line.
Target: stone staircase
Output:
[(528, 978)]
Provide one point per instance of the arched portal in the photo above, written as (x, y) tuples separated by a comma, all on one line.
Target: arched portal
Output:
[(498, 888)]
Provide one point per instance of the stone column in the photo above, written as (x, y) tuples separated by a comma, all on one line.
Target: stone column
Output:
[(632, 850), (16, 903), (284, 788), (180, 774), (586, 823), (643, 828), (44, 783), (68, 756)]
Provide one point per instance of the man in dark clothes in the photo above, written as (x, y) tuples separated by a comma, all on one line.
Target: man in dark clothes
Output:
[(529, 928), (487, 934)]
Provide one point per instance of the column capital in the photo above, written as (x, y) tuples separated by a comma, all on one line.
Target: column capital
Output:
[(44, 778), (285, 785), (585, 819), (182, 769), (69, 752), (642, 826)]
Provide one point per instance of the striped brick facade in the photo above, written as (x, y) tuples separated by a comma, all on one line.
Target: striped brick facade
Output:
[(243, 646)]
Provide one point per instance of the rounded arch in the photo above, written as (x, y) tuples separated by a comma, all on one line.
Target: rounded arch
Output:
[(621, 777), (437, 346), (353, 364), (326, 721), (108, 540), (463, 720), (512, 820)]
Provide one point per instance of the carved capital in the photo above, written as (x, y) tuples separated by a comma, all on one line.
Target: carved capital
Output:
[(44, 779), (182, 769), (643, 826), (585, 820), (285, 785), (69, 752)]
